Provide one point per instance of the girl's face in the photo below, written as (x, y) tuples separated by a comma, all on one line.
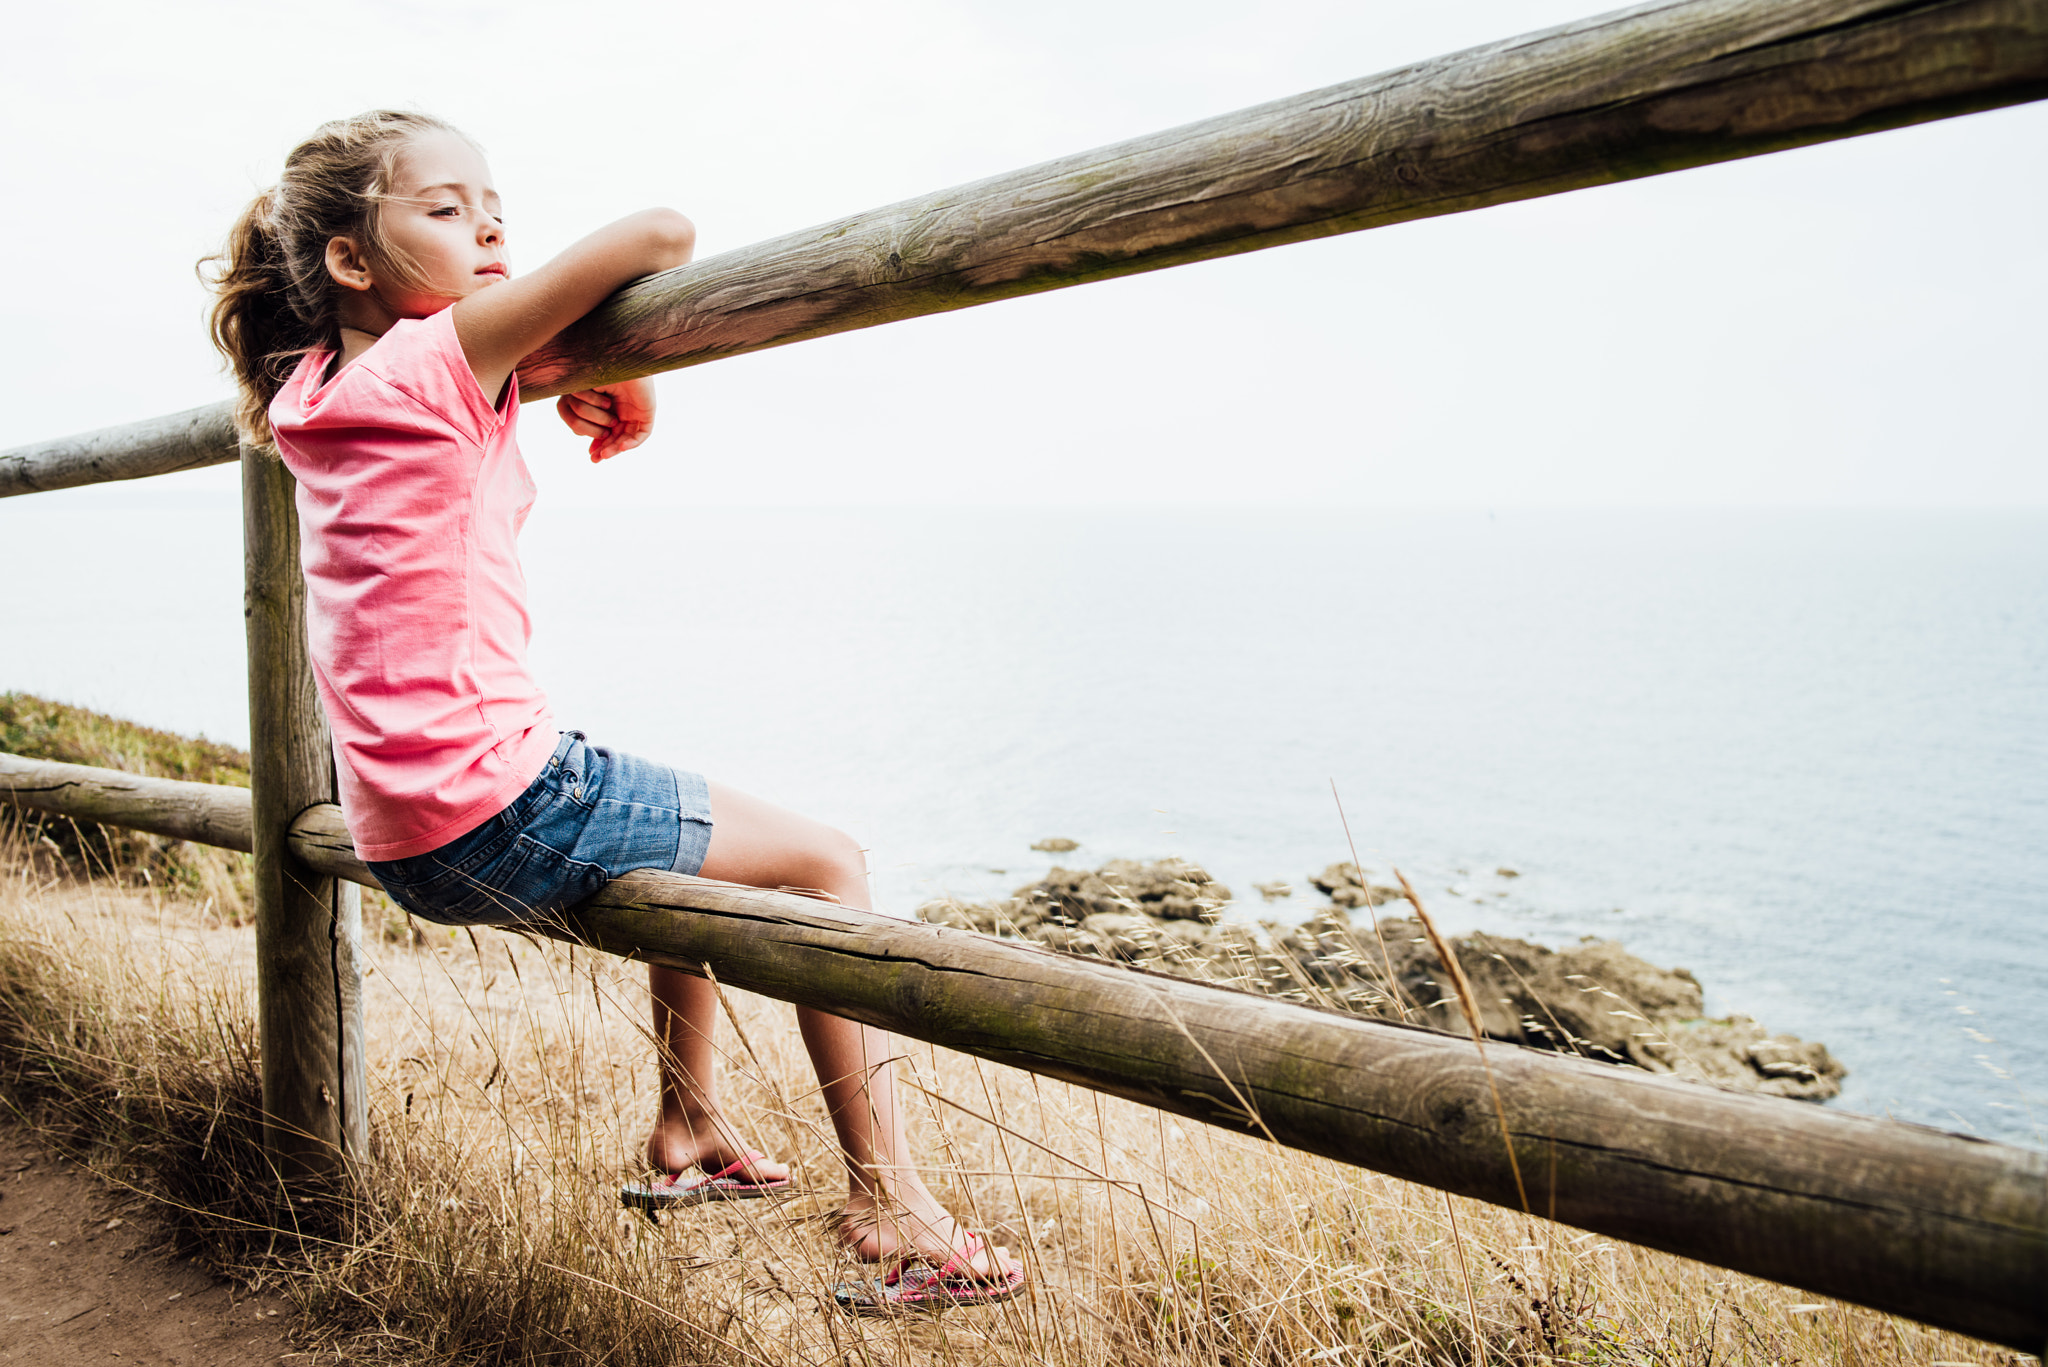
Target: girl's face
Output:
[(442, 216)]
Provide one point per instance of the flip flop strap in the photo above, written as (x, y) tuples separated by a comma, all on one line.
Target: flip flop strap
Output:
[(969, 1246), (745, 1160)]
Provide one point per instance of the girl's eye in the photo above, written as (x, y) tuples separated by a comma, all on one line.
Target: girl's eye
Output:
[(446, 211)]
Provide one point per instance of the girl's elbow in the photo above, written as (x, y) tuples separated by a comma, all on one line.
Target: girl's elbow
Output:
[(672, 236)]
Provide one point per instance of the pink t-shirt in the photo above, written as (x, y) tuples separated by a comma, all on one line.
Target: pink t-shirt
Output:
[(411, 496)]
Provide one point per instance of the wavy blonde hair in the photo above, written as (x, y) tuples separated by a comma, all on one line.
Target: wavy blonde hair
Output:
[(274, 300)]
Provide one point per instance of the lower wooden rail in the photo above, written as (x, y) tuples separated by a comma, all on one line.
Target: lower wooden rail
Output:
[(1938, 1227)]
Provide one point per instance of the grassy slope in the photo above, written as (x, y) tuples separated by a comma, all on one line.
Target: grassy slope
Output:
[(41, 729), (38, 728)]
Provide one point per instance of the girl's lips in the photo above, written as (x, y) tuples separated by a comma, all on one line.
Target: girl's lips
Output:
[(498, 271)]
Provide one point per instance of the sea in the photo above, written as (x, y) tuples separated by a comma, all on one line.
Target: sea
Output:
[(1802, 753)]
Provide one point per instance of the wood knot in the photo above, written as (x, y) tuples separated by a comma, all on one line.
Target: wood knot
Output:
[(895, 262), (1450, 1114), (1407, 174)]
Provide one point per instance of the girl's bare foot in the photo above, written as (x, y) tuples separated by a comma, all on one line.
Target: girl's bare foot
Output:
[(910, 1223), (706, 1141)]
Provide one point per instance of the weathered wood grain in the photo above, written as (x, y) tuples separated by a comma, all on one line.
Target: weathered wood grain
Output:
[(1660, 87), (208, 813), (159, 446), (308, 925), (1938, 1227)]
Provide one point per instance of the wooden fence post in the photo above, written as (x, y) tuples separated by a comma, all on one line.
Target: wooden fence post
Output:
[(308, 927)]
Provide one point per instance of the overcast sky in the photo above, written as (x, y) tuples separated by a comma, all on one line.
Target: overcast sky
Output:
[(1853, 324)]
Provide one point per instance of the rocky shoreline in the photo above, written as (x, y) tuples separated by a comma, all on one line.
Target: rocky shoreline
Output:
[(1366, 953)]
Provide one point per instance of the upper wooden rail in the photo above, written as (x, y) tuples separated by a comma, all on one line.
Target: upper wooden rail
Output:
[(1938, 1227), (1656, 88)]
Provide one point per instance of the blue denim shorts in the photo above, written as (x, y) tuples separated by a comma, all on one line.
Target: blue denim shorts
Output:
[(592, 815)]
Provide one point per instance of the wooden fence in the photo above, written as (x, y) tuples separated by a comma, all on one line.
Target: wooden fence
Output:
[(1942, 1228)]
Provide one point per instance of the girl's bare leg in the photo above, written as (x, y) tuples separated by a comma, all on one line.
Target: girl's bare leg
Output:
[(692, 1130), (889, 1211)]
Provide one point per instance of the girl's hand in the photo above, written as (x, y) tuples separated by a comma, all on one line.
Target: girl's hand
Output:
[(616, 417)]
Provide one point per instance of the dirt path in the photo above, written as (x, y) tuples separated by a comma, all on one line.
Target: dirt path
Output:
[(80, 1284)]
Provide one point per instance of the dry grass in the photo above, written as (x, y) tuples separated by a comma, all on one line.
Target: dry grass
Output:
[(511, 1083)]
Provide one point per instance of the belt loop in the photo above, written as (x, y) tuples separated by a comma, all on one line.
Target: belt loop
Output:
[(562, 748)]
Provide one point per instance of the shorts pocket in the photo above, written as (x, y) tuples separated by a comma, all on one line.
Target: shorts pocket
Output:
[(637, 835)]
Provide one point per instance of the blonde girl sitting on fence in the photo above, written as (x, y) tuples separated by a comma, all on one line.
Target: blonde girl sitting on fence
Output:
[(368, 310)]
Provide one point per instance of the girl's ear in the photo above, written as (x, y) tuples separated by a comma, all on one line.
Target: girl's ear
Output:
[(346, 263)]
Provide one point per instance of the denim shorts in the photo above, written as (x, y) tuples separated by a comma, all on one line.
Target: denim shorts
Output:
[(592, 815)]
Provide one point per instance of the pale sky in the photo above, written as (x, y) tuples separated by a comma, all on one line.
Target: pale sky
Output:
[(1855, 324)]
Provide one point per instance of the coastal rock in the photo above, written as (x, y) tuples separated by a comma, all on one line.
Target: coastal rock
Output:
[(1125, 934), (1072, 940), (1055, 844), (1594, 998), (1346, 887), (1740, 1053), (956, 915), (1170, 889)]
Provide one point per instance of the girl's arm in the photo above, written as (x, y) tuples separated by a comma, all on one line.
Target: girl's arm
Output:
[(499, 325)]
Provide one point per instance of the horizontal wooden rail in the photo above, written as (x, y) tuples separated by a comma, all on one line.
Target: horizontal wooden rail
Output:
[(207, 813), (1660, 87), (1938, 1227), (160, 446)]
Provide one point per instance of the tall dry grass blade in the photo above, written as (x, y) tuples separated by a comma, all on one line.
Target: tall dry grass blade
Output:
[(1469, 1000), (1464, 1273), (1394, 993), (1571, 1040), (1245, 1106)]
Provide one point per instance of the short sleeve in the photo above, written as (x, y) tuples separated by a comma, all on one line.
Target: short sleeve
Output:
[(422, 358)]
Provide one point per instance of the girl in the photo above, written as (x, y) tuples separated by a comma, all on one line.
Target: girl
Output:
[(369, 312)]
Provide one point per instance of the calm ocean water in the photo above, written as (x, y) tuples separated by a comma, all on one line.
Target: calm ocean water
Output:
[(1803, 754)]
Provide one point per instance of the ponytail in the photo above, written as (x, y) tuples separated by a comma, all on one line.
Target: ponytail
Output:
[(253, 323), (274, 300)]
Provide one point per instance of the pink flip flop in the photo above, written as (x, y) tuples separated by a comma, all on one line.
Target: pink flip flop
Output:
[(673, 1190), (917, 1285)]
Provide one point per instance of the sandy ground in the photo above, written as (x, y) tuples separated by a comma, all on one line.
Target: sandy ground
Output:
[(81, 1280)]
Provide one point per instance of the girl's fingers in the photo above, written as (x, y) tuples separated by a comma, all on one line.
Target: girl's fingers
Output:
[(617, 440), (577, 407), (616, 418)]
